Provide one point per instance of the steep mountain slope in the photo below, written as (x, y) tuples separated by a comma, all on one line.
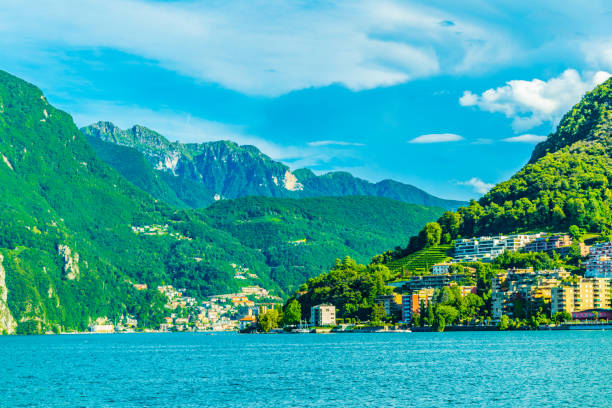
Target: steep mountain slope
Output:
[(176, 191), (76, 235), (228, 170), (301, 238), (566, 182), (70, 242)]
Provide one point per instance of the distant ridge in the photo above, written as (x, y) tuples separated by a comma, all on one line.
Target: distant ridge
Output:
[(195, 175)]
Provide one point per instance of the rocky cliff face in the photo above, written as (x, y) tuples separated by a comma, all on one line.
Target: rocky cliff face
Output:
[(7, 322), (228, 170)]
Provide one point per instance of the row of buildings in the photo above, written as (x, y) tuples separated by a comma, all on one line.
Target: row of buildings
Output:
[(486, 248), (518, 290)]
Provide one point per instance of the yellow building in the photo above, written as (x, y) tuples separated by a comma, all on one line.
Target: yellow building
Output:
[(583, 294), (524, 284)]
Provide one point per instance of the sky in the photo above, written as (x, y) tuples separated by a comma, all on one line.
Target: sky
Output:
[(448, 96)]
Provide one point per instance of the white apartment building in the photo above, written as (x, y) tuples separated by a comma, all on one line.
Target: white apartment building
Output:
[(323, 315), (488, 248)]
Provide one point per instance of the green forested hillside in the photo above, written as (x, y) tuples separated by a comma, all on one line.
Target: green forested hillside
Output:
[(69, 251), (76, 234), (301, 238), (566, 182), (176, 191)]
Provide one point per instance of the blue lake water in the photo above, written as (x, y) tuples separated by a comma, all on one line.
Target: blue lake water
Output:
[(488, 369)]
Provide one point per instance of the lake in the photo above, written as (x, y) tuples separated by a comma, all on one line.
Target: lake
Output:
[(488, 369)]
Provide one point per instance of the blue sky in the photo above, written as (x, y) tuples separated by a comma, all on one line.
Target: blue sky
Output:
[(448, 96)]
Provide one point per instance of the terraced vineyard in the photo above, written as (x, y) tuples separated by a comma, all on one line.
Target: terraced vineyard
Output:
[(421, 261)]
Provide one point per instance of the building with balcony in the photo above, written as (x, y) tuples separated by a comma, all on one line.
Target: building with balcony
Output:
[(486, 249), (412, 302), (593, 314), (523, 285), (323, 315), (431, 281), (441, 268), (548, 243), (581, 294), (599, 264)]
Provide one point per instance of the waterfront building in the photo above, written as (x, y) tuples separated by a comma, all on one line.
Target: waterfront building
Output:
[(486, 249), (599, 264), (391, 303), (247, 321), (601, 314), (525, 285), (323, 315), (102, 328), (581, 294), (412, 302)]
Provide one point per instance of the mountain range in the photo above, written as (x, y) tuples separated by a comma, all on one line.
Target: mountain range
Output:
[(77, 236), (195, 175)]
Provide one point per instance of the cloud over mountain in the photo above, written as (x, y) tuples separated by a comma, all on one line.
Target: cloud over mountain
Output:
[(531, 103)]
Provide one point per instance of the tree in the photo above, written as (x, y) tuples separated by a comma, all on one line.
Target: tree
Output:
[(504, 323), (293, 312), (575, 233), (416, 320), (429, 320), (561, 317), (440, 323), (268, 320), (378, 313), (448, 313), (431, 234)]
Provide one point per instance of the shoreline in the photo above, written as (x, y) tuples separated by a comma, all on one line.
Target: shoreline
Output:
[(374, 330)]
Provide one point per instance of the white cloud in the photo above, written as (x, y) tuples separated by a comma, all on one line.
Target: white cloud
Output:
[(263, 47), (436, 138), (479, 186), (526, 138), (483, 140), (531, 103), (598, 52), (333, 143)]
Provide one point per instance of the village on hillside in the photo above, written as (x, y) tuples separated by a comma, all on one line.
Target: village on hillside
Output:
[(574, 297)]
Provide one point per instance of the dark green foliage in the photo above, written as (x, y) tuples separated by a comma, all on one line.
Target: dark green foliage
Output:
[(292, 312), (351, 287), (301, 238), (536, 260), (57, 193), (449, 307)]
